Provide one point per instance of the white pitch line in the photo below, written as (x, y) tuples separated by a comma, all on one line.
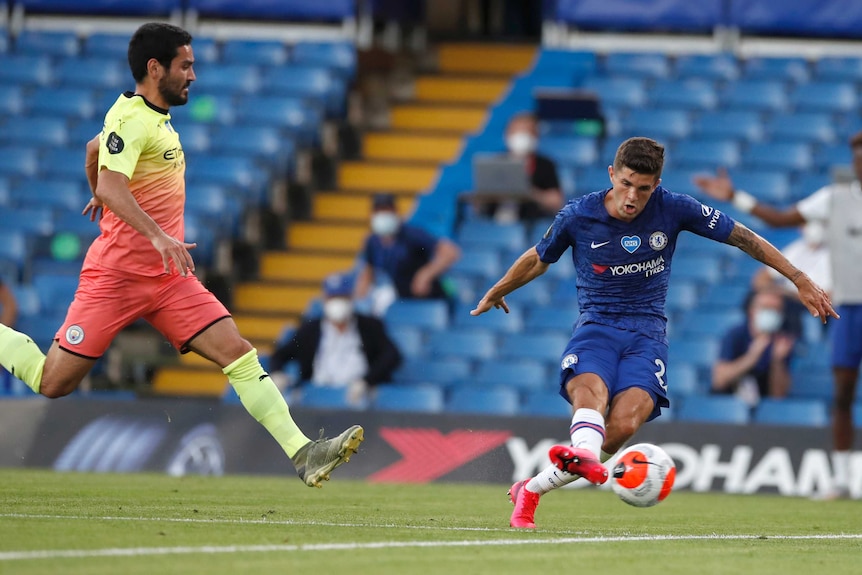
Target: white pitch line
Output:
[(149, 551)]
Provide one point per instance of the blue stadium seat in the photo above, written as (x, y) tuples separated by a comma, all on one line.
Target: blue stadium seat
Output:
[(788, 156), (258, 52), (569, 150), (495, 320), (811, 127), (27, 299), (41, 43), (478, 263), (229, 79), (215, 204), (463, 344), (565, 293), (552, 318), (295, 114), (771, 186), (159, 8), (265, 143), (698, 269), (693, 95), (203, 107), (698, 351), (807, 183), (26, 70), (831, 97), (11, 100), (198, 230), (194, 136), (785, 69), (681, 295), (627, 92), (829, 155), (701, 323), (308, 82), (285, 10), (14, 254), (60, 195), (650, 65), (337, 56), (99, 73), (55, 292), (660, 124), (419, 398), (714, 409), (240, 172), (755, 95), (62, 162), (812, 381), (520, 374), (683, 381), (574, 63), (318, 397), (715, 66), (440, 371), (62, 102), (28, 220), (546, 347), (490, 234), (545, 403), (74, 222), (838, 69), (795, 412), (533, 293), (409, 340), (102, 44), (706, 154), (500, 401), (426, 314), (734, 124), (42, 131)]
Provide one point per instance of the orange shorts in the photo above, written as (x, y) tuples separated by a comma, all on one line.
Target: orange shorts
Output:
[(107, 301)]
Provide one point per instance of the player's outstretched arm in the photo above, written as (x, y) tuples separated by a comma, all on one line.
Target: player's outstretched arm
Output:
[(91, 169), (720, 187), (113, 190), (525, 269), (810, 294)]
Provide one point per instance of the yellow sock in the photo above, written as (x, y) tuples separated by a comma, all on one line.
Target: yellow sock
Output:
[(262, 399), (21, 357)]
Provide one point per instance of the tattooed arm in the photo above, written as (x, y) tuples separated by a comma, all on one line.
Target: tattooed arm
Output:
[(810, 294)]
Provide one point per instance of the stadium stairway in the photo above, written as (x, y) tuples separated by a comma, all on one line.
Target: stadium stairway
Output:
[(424, 131)]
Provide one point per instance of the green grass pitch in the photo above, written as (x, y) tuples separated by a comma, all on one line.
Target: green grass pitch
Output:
[(154, 524)]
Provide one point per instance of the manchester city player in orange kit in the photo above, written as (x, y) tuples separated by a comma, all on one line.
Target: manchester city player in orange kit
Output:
[(140, 267), (613, 368)]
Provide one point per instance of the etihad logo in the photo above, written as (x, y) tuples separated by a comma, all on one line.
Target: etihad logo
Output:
[(648, 268), (428, 454)]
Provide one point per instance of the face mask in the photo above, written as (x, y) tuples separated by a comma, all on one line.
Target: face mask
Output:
[(768, 320), (813, 233), (521, 143), (385, 223), (337, 309)]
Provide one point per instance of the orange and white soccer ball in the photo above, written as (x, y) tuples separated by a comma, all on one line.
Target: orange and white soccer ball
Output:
[(643, 475)]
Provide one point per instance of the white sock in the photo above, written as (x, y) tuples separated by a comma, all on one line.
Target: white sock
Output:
[(549, 478), (841, 469), (588, 430)]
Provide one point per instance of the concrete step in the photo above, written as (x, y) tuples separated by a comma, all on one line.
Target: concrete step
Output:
[(378, 177), (455, 119), (351, 208), (416, 147), (460, 89), (486, 59)]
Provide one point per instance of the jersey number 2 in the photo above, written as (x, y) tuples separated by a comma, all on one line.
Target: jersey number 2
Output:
[(659, 375)]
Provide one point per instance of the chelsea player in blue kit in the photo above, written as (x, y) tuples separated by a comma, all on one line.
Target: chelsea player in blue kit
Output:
[(613, 368)]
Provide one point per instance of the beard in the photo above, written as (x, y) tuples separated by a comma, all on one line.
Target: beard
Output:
[(173, 93)]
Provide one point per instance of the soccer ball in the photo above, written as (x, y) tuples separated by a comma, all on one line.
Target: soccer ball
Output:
[(643, 475)]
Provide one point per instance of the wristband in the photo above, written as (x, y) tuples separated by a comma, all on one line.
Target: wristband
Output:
[(743, 201)]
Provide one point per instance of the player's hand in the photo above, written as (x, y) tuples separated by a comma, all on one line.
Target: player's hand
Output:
[(95, 208), (172, 249), (486, 303), (815, 299), (718, 187)]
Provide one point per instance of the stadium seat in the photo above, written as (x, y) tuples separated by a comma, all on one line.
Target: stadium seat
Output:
[(807, 412), (755, 95), (700, 352), (705, 154), (194, 136), (56, 194), (829, 155), (41, 328), (229, 79), (700, 270), (681, 295), (99, 73), (660, 124), (691, 95), (730, 125), (784, 69), (408, 339), (809, 127), (545, 403), (829, 97), (627, 92), (463, 344), (770, 186), (100, 44), (569, 150), (11, 100), (203, 107), (440, 371), (546, 347), (533, 293), (812, 381), (75, 223), (789, 156), (257, 52), (240, 172), (552, 318), (494, 320), (27, 299), (73, 103), (520, 374), (274, 10), (265, 144), (683, 381), (498, 401), (294, 114), (55, 292), (215, 204), (426, 314), (701, 323), (807, 183), (480, 263), (420, 398), (26, 71), (13, 251), (574, 63), (713, 409), (312, 83), (318, 397), (337, 56), (43, 43), (32, 220), (649, 65), (41, 131), (838, 69), (714, 66)]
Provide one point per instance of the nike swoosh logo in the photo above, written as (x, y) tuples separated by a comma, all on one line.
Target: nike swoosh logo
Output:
[(594, 245)]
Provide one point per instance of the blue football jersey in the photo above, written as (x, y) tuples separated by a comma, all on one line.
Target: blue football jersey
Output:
[(623, 267)]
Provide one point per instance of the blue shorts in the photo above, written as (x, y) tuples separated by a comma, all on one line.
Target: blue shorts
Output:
[(623, 359), (847, 337)]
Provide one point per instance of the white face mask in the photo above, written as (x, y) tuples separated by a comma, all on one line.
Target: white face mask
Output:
[(520, 143), (385, 223), (768, 320), (337, 309)]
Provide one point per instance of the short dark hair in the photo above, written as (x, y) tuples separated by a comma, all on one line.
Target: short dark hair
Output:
[(642, 155), (155, 40)]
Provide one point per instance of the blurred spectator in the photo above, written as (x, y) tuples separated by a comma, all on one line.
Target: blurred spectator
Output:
[(810, 253), (754, 360), (409, 257), (341, 349), (8, 306), (546, 198)]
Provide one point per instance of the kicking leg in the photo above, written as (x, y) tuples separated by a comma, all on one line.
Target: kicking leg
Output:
[(53, 375)]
